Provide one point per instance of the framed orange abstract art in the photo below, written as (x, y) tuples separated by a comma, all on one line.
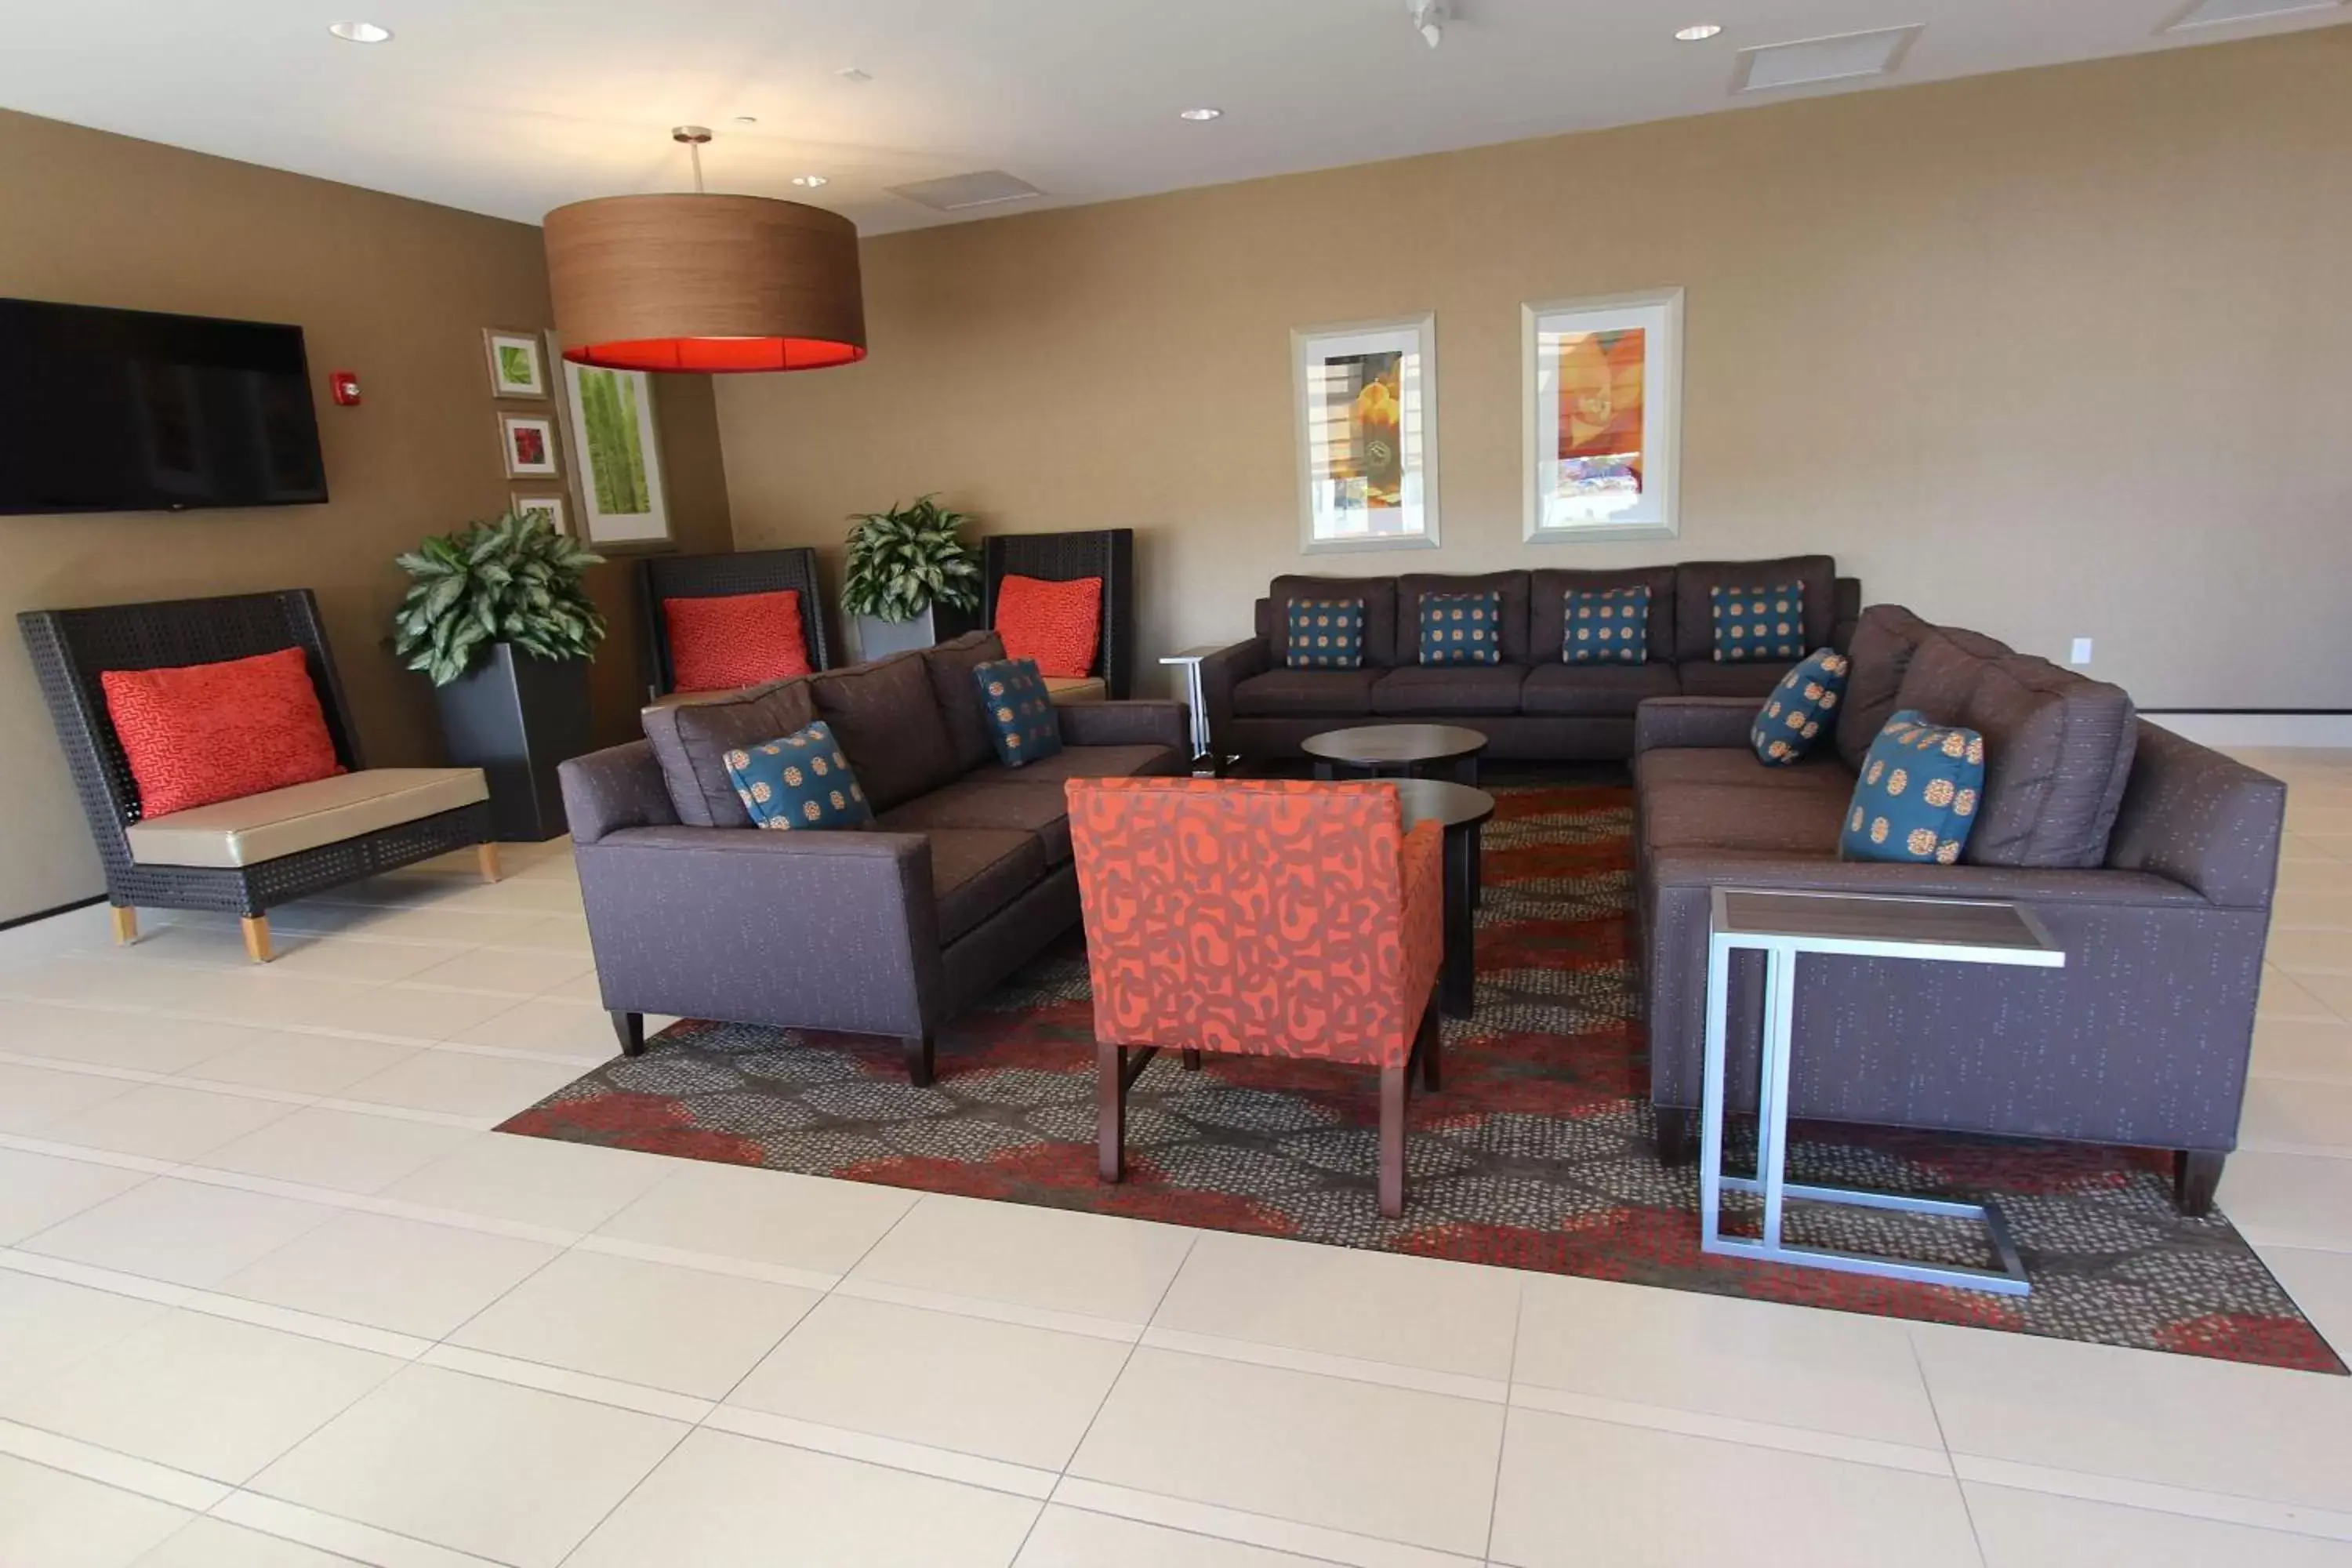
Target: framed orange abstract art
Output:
[(1367, 415), (1601, 382)]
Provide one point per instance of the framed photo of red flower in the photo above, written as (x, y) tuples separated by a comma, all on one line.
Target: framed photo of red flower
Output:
[(528, 443)]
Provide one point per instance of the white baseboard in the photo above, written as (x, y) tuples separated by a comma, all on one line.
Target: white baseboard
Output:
[(2330, 730)]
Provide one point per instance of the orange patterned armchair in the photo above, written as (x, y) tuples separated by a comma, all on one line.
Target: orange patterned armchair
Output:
[(1260, 917)]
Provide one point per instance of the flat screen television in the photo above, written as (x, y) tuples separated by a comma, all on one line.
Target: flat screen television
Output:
[(132, 411)]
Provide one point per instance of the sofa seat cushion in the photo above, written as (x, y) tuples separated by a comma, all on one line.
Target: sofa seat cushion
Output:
[(1804, 820), (976, 871), (1088, 762), (256, 827), (1599, 690), (1737, 767), (1451, 688), (1077, 689), (1316, 693), (691, 736), (1708, 679), (1020, 806)]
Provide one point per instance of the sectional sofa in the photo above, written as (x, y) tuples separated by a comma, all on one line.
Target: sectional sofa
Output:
[(2151, 858), (1533, 706), (965, 875)]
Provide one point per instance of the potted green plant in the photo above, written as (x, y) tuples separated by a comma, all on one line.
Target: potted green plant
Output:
[(911, 579), (499, 619)]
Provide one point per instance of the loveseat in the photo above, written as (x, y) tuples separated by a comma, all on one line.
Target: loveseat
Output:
[(964, 876), (1533, 705), (2150, 858)]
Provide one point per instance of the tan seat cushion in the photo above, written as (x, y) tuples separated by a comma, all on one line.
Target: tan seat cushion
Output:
[(278, 822), (1077, 689)]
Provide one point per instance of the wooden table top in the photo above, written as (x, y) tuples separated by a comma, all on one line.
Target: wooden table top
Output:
[(1442, 802), (1392, 744)]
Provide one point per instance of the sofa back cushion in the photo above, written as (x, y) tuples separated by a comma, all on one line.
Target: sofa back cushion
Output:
[(1696, 581), (2058, 750), (1547, 594), (1380, 597), (888, 720), (1883, 641), (692, 737), (1945, 665), (950, 665), (1510, 589)]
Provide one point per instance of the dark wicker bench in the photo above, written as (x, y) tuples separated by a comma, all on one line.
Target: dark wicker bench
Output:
[(663, 577), (1108, 553), (71, 648)]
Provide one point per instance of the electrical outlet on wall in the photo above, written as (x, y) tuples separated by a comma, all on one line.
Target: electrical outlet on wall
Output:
[(2082, 654)]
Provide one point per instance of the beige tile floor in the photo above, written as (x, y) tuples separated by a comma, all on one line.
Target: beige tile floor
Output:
[(272, 1294)]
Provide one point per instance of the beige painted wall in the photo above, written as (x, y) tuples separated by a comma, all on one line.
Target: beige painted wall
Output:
[(2055, 352), (397, 291)]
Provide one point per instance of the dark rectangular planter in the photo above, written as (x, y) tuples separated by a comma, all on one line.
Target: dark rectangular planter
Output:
[(515, 717)]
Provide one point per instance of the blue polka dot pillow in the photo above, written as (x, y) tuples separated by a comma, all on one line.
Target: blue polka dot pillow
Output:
[(1326, 633), (1759, 626), (1462, 628), (1917, 796), (1800, 710), (1610, 625), (1020, 713), (802, 781)]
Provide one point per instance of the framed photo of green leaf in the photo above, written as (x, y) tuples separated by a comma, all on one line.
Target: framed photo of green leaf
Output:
[(614, 445)]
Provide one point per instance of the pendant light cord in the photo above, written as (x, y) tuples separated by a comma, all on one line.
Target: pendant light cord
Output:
[(693, 136)]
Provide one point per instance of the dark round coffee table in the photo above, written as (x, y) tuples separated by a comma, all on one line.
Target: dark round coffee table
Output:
[(1461, 810), (1398, 750)]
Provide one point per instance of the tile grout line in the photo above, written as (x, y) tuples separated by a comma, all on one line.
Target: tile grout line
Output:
[(1936, 1413), (1510, 1381)]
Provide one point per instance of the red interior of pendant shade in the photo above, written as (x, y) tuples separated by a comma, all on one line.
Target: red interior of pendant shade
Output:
[(719, 354)]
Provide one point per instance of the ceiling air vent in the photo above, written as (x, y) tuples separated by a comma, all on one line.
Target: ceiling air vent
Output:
[(960, 193), (2214, 12), (1809, 60)]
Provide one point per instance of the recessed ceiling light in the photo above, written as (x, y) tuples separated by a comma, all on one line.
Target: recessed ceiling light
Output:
[(1197, 114), (747, 120), (1698, 34), (851, 73), (808, 181), (359, 32)]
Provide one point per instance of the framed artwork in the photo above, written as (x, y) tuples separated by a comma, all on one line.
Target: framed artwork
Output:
[(608, 418), (1366, 406), (548, 507), (1601, 384), (528, 441), (518, 366)]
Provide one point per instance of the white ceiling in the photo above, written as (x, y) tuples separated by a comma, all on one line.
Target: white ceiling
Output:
[(512, 107)]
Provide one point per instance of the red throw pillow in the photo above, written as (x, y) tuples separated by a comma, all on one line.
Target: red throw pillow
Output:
[(735, 639), (1059, 625), (195, 733)]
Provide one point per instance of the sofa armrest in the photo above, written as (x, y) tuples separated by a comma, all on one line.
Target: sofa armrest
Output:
[(620, 787), (824, 931), (2194, 814), (1702, 722), (2018, 884), (1137, 721), (1220, 673)]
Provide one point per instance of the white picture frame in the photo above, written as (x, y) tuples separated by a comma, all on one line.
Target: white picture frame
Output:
[(527, 444), (1590, 468), (517, 365), (1354, 495), (556, 507), (617, 484)]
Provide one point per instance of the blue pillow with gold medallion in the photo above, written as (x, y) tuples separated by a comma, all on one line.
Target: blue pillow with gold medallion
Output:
[(799, 781), (1020, 713), (1917, 796), (1800, 710), (1462, 628), (1758, 625), (1605, 625), (1325, 633)]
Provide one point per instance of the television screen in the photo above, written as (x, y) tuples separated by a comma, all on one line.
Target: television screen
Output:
[(130, 411)]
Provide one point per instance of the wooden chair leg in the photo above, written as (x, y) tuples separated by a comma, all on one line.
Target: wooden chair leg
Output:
[(921, 1060), (1432, 1038), (2196, 1176), (1677, 1134), (488, 856), (1392, 1091), (1192, 1061), (1111, 1109), (257, 937), (126, 924), (631, 1029)]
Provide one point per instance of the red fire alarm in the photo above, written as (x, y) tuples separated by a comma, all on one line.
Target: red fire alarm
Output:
[(345, 385)]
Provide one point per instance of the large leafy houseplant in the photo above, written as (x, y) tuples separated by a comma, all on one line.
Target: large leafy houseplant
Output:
[(511, 579), (903, 561)]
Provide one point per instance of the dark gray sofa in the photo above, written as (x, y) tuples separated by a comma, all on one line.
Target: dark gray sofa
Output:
[(1533, 706), (2151, 858), (965, 875)]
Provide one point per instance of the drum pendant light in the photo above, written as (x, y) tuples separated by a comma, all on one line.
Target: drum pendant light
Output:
[(705, 283)]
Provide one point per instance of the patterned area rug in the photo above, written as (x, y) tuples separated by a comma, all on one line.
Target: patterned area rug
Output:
[(1536, 1154)]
